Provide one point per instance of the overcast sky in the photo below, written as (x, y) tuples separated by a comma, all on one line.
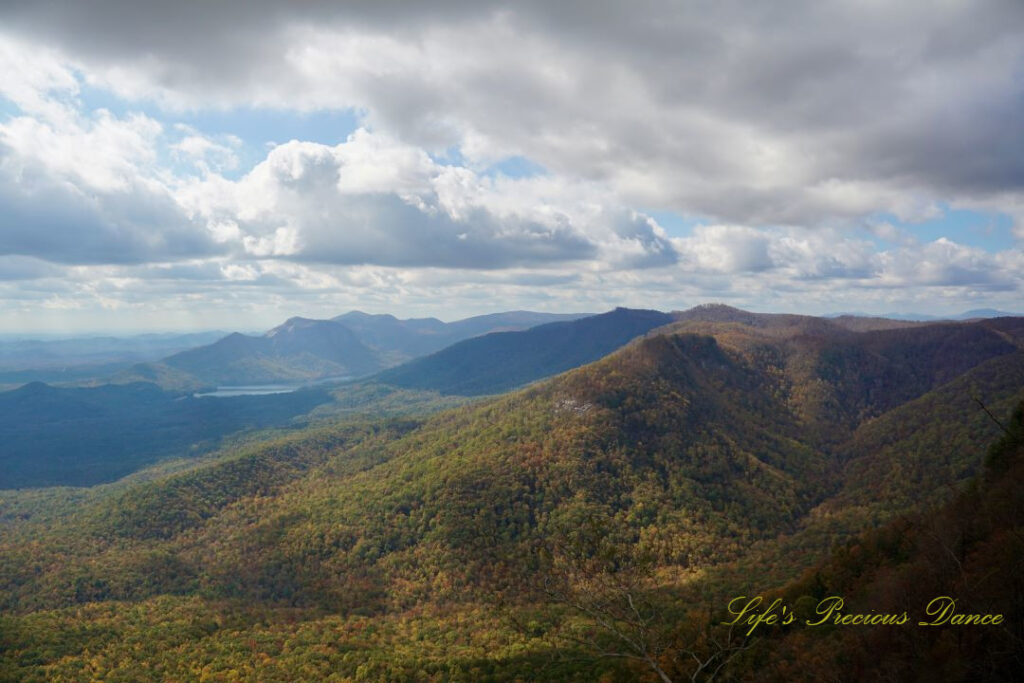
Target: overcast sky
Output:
[(227, 165)]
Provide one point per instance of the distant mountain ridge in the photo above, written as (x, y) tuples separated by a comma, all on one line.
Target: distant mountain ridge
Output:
[(23, 354), (500, 361), (87, 358), (973, 314), (300, 350), (414, 337)]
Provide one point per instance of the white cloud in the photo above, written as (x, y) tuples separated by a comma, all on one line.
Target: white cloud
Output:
[(946, 263), (207, 154), (83, 187), (788, 131), (802, 114), (375, 200), (32, 71)]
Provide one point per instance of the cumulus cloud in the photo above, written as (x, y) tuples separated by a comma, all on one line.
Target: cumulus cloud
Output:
[(946, 263), (793, 114), (207, 154), (792, 131), (373, 200), (796, 257), (81, 188)]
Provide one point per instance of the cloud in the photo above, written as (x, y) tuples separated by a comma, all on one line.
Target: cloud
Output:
[(49, 218), (207, 154), (373, 200), (946, 263), (786, 130), (797, 257), (82, 187), (25, 268), (797, 114), (52, 207)]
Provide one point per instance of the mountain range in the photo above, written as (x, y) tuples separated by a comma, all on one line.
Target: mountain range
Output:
[(302, 350), (500, 361), (973, 314), (81, 359), (615, 508)]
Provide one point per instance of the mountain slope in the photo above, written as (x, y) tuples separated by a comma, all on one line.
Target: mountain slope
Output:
[(643, 436), (402, 340), (299, 349), (835, 378), (504, 360), (405, 553), (969, 549)]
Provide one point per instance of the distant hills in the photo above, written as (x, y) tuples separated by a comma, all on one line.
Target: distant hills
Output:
[(19, 354), (298, 350), (500, 361), (84, 436), (401, 340), (301, 350), (835, 373), (973, 314), (718, 453), (80, 359)]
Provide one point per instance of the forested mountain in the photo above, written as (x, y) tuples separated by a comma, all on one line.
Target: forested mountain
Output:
[(298, 350), (965, 557), (301, 350), (720, 455), (85, 436), (501, 361), (403, 340)]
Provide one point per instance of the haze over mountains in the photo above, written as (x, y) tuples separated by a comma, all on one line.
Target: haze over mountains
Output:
[(24, 360), (300, 350)]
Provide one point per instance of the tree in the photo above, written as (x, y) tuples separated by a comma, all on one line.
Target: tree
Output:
[(602, 595)]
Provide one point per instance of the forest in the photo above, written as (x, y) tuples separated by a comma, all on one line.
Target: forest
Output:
[(592, 526)]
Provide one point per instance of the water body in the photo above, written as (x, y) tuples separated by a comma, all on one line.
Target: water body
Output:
[(227, 391), (250, 390)]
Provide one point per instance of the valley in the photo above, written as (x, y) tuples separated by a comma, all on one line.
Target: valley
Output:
[(412, 532)]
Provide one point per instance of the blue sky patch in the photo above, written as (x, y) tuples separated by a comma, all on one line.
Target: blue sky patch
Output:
[(515, 167), (675, 224), (988, 230)]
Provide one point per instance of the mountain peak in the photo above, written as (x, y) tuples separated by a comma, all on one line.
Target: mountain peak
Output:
[(361, 316), (295, 323)]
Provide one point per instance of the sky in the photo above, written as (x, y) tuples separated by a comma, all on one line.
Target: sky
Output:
[(181, 166)]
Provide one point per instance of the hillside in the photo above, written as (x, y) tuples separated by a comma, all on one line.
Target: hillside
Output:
[(456, 546), (402, 340), (296, 351), (969, 549), (834, 378), (501, 361)]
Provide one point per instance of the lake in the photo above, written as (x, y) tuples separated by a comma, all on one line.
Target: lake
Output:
[(250, 390)]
